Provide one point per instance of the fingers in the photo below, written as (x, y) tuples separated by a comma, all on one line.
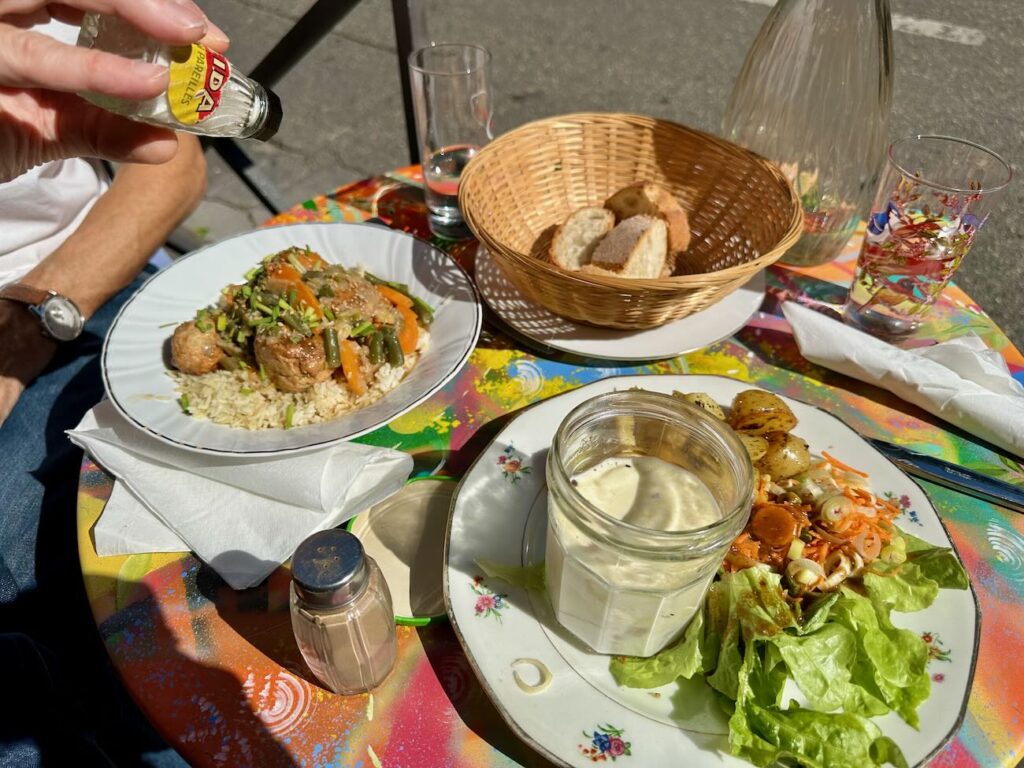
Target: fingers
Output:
[(39, 126), (33, 60), (173, 21), (215, 38), (83, 130)]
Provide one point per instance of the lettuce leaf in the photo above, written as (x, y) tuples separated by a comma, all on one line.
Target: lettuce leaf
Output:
[(681, 659), (890, 662), (820, 664), (745, 605), (764, 734), (939, 564), (530, 577), (913, 585)]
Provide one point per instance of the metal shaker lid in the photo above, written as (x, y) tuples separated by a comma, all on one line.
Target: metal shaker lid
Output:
[(329, 569)]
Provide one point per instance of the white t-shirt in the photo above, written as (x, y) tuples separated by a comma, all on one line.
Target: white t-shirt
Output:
[(41, 208)]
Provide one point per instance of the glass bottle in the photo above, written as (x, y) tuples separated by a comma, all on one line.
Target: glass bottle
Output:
[(814, 95), (341, 612), (204, 95)]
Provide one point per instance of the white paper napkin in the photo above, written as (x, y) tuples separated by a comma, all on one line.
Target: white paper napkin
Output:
[(961, 381), (243, 517)]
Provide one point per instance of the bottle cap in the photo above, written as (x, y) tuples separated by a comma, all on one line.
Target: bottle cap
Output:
[(329, 569), (271, 118)]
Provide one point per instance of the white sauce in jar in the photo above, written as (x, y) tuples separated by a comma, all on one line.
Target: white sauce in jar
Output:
[(648, 492), (615, 600)]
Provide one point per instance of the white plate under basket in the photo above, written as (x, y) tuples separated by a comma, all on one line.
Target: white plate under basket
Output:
[(538, 324)]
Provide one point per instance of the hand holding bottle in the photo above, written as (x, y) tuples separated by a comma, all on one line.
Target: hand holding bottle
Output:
[(41, 116)]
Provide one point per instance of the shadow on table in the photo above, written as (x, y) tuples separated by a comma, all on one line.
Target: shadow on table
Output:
[(205, 711), (472, 704)]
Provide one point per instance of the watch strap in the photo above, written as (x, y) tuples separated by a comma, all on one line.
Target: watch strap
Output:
[(26, 294)]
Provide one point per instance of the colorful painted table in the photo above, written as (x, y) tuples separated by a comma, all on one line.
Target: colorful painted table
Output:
[(218, 672)]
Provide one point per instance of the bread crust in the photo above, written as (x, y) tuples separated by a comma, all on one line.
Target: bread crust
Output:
[(560, 242), (650, 199)]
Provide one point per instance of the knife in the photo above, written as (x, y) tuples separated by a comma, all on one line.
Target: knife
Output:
[(953, 476)]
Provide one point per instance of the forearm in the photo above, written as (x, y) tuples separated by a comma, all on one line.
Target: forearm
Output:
[(124, 228)]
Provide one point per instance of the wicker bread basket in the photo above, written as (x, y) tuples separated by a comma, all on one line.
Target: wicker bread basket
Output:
[(743, 213)]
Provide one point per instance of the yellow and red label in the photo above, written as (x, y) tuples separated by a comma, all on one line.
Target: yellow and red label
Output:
[(197, 79)]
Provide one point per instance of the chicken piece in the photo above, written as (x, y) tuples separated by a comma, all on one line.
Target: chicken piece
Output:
[(356, 296), (194, 351), (292, 366)]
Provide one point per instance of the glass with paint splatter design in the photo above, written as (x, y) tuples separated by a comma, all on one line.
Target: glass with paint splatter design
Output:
[(934, 196)]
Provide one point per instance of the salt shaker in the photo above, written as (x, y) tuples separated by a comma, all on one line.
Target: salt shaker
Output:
[(341, 612)]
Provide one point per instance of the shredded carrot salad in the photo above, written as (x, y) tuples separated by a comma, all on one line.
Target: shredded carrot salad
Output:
[(819, 527)]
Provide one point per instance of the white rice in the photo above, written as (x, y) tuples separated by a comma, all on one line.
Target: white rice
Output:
[(240, 399)]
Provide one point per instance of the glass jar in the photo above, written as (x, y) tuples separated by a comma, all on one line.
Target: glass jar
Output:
[(341, 612), (620, 587), (814, 95)]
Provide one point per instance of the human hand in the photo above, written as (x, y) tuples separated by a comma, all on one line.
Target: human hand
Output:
[(24, 353), (42, 118)]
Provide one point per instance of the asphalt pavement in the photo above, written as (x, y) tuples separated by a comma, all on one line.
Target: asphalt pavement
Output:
[(958, 71)]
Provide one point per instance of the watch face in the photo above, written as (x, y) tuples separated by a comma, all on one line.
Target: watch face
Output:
[(61, 318)]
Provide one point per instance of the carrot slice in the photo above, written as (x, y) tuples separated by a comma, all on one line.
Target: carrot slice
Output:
[(284, 278), (840, 465), (397, 298), (352, 368), (409, 335), (774, 525)]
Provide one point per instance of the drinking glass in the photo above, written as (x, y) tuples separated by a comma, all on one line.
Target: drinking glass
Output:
[(451, 93), (935, 193)]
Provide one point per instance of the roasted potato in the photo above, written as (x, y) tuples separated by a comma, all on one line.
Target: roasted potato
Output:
[(787, 455), (756, 445), (759, 413), (702, 400)]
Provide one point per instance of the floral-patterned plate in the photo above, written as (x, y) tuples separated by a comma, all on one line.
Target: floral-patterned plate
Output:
[(581, 716)]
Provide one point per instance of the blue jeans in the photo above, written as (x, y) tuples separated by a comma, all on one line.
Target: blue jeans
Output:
[(71, 709)]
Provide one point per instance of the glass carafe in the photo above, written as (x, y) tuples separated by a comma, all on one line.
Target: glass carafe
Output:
[(814, 96)]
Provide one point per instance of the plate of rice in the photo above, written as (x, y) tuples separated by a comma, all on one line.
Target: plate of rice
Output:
[(290, 338)]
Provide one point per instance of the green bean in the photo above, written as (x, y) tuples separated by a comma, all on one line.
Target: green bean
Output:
[(376, 348), (327, 313), (261, 307), (362, 329), (289, 414), (420, 307), (393, 348), (293, 322), (423, 311), (331, 348), (293, 296)]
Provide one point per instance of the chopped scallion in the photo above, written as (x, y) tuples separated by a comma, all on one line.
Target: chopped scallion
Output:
[(289, 414)]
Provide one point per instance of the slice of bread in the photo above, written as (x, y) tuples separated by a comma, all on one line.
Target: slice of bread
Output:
[(575, 240), (637, 247), (649, 199)]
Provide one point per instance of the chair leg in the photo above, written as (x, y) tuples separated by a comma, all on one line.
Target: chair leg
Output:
[(410, 19)]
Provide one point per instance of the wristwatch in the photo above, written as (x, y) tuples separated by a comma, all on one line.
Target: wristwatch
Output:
[(58, 315)]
